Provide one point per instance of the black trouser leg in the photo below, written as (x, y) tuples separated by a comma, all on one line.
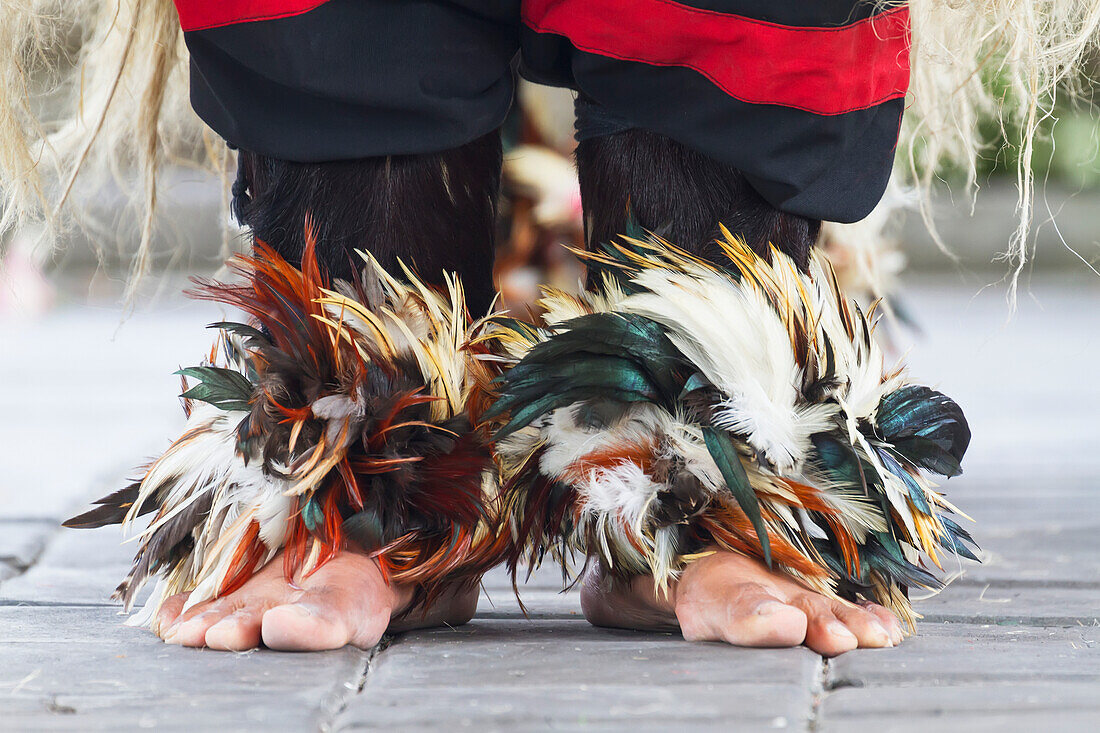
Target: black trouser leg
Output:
[(434, 212), (679, 194)]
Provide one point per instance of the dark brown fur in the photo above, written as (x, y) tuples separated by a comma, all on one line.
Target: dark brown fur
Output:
[(680, 195), (435, 212)]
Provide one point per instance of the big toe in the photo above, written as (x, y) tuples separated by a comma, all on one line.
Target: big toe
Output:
[(297, 627), (768, 623)]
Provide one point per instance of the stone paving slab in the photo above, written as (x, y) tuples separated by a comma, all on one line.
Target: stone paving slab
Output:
[(1013, 698), (1063, 557), (54, 586), (969, 677), (1013, 604), (948, 653), (1065, 706), (204, 709), (737, 706), (79, 567), (80, 669), (988, 720), (597, 679), (959, 706)]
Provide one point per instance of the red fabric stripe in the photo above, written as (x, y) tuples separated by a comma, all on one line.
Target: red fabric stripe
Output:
[(197, 15), (827, 71)]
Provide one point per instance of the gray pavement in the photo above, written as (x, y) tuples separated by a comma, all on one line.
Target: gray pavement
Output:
[(1010, 645)]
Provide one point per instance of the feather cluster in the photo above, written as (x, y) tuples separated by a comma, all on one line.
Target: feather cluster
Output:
[(338, 418), (686, 405)]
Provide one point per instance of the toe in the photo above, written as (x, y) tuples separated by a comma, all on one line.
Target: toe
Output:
[(866, 626), (836, 627), (768, 624), (300, 627), (889, 620), (236, 632), (169, 611), (192, 631), (827, 636)]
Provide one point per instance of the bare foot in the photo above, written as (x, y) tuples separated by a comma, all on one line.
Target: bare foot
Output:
[(345, 602), (729, 597)]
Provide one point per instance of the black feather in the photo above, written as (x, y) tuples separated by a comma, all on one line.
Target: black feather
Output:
[(631, 337), (112, 509), (226, 389), (165, 547), (926, 427)]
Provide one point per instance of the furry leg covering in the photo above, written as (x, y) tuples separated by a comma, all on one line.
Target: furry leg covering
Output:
[(435, 212), (739, 403), (638, 178)]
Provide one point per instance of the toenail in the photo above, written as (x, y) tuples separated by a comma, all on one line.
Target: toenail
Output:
[(888, 640), (299, 610), (839, 630)]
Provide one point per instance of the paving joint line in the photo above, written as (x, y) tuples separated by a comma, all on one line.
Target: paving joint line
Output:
[(819, 690), (824, 684), (337, 700)]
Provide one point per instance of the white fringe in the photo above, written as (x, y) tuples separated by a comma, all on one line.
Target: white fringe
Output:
[(95, 93), (971, 59)]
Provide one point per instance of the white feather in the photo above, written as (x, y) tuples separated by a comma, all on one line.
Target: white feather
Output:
[(624, 491), (736, 338), (567, 442), (207, 462)]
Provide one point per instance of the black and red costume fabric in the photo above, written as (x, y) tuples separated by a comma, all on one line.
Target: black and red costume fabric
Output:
[(805, 98)]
